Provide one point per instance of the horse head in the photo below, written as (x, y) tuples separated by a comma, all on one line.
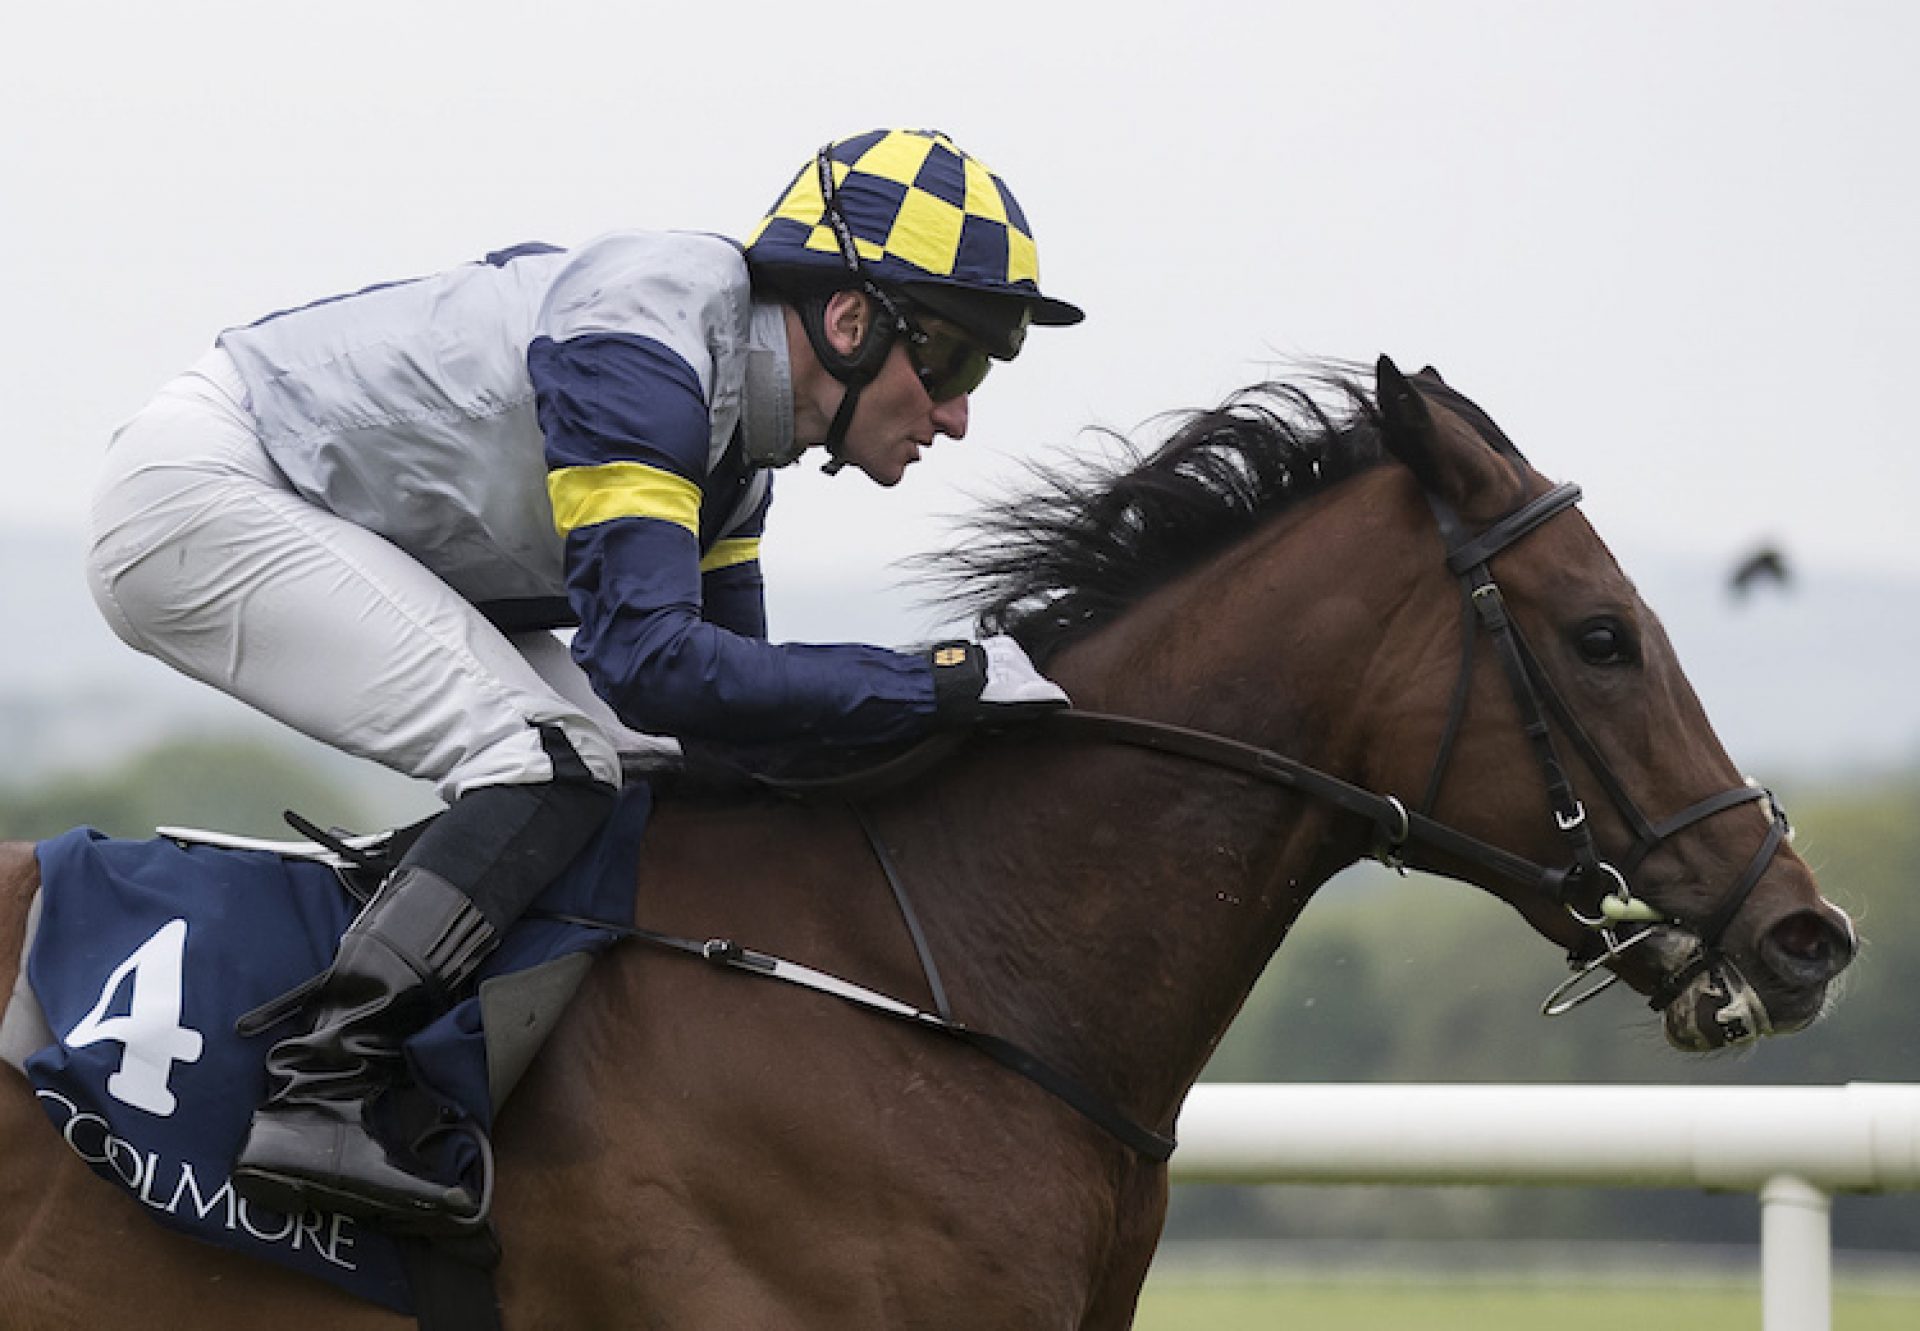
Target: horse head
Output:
[(1731, 936), (1450, 639)]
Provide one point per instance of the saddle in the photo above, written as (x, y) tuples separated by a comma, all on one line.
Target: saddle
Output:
[(143, 957)]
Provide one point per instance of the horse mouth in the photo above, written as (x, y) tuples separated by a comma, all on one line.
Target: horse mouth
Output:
[(1720, 1008)]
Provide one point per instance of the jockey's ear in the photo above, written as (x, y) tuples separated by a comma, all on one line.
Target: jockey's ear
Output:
[(1449, 457), (847, 316)]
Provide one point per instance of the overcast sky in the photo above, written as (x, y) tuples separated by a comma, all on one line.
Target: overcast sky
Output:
[(1672, 248)]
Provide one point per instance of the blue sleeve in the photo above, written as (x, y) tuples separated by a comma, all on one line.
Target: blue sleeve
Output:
[(735, 599), (626, 438), (733, 591), (642, 641)]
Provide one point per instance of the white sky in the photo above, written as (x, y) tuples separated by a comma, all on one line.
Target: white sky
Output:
[(1672, 248)]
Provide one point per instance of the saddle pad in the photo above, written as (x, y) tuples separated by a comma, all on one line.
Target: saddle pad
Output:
[(146, 955), (23, 1026)]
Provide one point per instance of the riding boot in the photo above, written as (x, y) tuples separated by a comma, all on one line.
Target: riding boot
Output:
[(397, 968)]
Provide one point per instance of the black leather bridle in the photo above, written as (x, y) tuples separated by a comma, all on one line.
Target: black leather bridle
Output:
[(1594, 891), (1588, 876)]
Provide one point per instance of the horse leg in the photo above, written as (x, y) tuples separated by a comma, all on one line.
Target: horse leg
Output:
[(1141, 1212)]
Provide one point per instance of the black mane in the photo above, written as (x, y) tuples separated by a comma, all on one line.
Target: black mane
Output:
[(1089, 541)]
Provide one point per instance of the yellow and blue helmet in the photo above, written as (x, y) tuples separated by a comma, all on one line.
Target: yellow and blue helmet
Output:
[(907, 210)]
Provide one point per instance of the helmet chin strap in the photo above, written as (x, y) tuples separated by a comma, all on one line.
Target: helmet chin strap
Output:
[(837, 432), (854, 370)]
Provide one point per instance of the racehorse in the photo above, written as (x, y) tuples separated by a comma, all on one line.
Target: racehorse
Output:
[(1291, 591)]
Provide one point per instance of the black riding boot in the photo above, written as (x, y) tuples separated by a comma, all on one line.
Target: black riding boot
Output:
[(397, 968)]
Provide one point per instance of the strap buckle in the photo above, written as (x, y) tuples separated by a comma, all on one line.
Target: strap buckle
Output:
[(1387, 850)]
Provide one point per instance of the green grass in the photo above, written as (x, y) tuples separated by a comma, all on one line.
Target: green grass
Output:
[(1180, 1305)]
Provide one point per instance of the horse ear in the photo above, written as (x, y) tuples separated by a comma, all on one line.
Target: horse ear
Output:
[(1409, 432), (1450, 460), (1430, 372)]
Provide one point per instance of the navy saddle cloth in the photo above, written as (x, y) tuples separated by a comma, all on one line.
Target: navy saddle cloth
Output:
[(148, 952)]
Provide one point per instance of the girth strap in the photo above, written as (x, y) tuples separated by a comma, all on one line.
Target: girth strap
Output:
[(452, 1283)]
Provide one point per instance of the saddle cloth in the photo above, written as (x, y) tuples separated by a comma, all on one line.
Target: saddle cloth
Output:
[(145, 955)]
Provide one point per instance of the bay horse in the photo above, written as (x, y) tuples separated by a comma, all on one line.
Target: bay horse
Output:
[(1291, 589)]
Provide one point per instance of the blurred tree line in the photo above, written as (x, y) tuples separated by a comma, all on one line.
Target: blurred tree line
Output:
[(1384, 980), (1425, 980), (228, 785)]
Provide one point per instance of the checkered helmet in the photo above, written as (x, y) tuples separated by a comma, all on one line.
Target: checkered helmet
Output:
[(906, 209)]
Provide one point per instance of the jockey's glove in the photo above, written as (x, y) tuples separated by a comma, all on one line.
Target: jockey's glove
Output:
[(987, 681)]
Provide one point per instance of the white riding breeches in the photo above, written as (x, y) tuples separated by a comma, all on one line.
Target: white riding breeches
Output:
[(205, 557)]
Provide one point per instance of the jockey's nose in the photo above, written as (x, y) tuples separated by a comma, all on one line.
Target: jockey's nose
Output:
[(950, 417)]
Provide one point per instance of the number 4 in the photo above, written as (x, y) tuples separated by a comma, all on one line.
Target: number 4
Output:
[(150, 1034)]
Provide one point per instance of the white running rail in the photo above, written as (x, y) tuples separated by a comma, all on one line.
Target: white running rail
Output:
[(1793, 1145)]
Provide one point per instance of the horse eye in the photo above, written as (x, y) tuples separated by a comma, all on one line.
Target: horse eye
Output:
[(1605, 642)]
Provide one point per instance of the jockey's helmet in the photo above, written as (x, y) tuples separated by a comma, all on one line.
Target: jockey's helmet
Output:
[(920, 226)]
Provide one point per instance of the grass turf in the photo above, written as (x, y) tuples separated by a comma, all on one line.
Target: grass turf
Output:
[(1176, 1305)]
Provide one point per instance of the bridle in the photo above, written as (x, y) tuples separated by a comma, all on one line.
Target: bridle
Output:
[(1609, 886), (1594, 891), (1588, 876)]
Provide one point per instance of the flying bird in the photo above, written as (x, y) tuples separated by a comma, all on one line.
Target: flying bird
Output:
[(1765, 565)]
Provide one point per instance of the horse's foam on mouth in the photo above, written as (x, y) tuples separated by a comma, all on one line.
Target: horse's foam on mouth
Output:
[(1718, 1009)]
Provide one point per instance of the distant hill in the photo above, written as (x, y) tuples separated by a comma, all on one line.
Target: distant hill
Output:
[(1809, 680), (1812, 678)]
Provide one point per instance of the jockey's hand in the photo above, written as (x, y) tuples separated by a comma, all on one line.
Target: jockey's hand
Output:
[(987, 681)]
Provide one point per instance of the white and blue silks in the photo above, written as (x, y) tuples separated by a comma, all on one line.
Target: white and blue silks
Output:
[(308, 519)]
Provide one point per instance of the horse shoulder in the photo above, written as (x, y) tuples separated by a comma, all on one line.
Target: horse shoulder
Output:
[(720, 1116)]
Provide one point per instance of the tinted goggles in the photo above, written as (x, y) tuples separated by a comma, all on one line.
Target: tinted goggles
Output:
[(950, 364)]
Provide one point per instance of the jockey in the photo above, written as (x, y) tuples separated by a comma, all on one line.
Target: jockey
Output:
[(364, 517)]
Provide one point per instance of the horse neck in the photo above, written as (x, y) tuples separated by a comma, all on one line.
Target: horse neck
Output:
[(1112, 907)]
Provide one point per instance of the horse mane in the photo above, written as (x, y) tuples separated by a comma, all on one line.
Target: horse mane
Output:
[(1090, 539)]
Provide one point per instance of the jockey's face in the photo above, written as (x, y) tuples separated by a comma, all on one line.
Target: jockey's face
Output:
[(896, 419)]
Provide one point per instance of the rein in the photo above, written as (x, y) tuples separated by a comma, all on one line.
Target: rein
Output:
[(1397, 828)]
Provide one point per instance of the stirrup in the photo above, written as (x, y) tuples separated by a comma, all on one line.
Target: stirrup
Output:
[(453, 1224)]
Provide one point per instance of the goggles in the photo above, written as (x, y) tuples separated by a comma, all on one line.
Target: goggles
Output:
[(949, 363)]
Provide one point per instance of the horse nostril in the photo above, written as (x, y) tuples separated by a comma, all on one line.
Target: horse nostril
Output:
[(1807, 947), (1801, 937)]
